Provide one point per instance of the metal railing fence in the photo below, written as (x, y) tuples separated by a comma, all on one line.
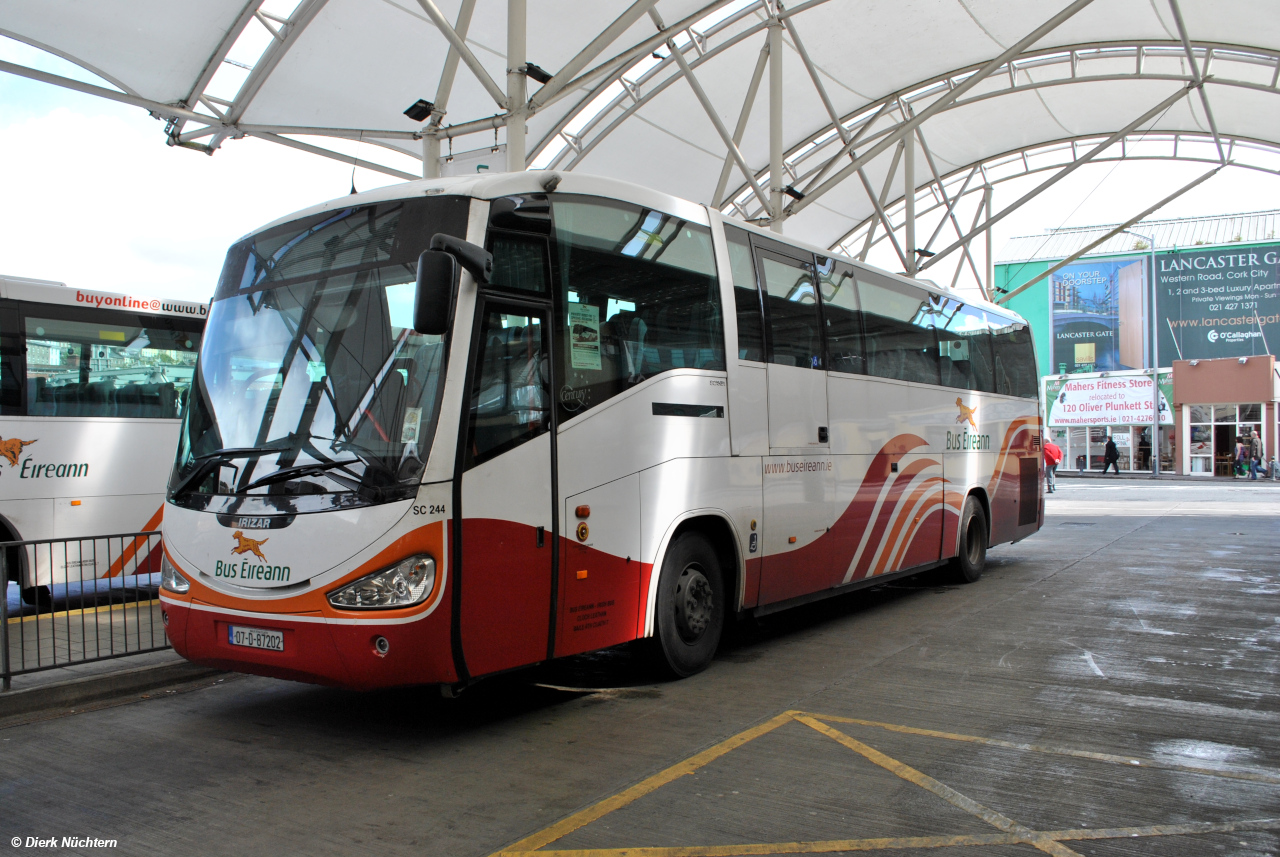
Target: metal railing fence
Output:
[(97, 598)]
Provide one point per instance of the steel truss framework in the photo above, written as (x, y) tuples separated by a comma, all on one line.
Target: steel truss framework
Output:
[(608, 88)]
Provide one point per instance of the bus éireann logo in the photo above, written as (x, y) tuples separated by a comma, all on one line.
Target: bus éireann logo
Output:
[(963, 441), (244, 544), (11, 449)]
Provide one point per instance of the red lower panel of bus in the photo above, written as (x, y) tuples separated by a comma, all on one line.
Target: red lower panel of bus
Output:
[(317, 651), (600, 599), (506, 595)]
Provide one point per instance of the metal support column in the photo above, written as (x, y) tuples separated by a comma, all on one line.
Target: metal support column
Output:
[(909, 199), (517, 100), (431, 156), (988, 193), (775, 125)]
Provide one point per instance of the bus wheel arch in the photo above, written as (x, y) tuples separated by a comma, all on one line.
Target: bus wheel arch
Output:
[(16, 569)]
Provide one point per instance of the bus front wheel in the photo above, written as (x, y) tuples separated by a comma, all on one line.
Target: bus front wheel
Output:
[(967, 566), (690, 609)]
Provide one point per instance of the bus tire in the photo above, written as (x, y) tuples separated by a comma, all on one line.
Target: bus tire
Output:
[(690, 608), (967, 566), (39, 597)]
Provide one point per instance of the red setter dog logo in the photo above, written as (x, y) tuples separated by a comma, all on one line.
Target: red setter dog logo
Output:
[(12, 448), (966, 413), (244, 544)]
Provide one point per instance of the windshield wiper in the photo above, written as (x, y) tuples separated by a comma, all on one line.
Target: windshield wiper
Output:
[(208, 459), (315, 469)]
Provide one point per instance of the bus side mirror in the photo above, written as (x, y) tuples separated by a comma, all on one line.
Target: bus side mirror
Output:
[(438, 275)]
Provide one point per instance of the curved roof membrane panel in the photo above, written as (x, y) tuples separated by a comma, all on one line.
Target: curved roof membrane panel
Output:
[(985, 80)]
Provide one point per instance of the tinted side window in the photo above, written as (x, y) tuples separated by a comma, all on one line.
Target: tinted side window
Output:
[(636, 294), (840, 311), (746, 296), (964, 345), (119, 365), (795, 337), (1015, 359), (899, 321)]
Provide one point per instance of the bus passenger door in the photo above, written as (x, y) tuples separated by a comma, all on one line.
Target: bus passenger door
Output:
[(506, 514), (798, 479)]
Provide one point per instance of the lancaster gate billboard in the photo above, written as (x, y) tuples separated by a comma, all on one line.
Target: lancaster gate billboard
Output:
[(1218, 303)]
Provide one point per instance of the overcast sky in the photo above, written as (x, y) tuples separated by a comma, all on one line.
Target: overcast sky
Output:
[(94, 198)]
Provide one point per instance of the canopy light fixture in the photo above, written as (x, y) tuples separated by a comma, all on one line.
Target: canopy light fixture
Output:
[(1195, 363), (790, 190), (420, 110), (535, 72), (920, 251), (1243, 360)]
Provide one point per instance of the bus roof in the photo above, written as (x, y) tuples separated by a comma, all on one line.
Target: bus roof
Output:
[(51, 292), (486, 186)]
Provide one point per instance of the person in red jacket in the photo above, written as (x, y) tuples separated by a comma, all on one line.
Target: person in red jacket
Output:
[(1052, 457)]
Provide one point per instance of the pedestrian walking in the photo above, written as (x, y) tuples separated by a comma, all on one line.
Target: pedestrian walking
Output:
[(1052, 458), (1255, 455), (1111, 456), (1240, 457)]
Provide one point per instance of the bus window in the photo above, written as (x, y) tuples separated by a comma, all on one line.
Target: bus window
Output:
[(511, 400), (899, 322), (841, 313), (116, 367), (795, 338), (636, 294), (746, 296), (1015, 360), (10, 360), (964, 345)]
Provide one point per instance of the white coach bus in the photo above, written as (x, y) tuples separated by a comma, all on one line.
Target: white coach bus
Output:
[(630, 418), (91, 388)]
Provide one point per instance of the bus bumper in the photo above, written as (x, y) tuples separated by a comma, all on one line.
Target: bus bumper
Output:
[(317, 649)]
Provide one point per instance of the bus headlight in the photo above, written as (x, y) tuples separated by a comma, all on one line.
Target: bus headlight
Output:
[(171, 579), (406, 583)]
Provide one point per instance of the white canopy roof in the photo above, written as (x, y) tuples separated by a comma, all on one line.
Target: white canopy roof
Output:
[(652, 91)]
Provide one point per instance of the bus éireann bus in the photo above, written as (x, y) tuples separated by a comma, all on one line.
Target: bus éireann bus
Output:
[(629, 418), (91, 388)]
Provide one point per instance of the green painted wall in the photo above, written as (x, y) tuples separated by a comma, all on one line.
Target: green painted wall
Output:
[(1033, 305)]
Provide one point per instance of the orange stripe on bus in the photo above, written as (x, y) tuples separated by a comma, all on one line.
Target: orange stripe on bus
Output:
[(117, 566)]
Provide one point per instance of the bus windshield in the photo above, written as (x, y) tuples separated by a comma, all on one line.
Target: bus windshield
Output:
[(312, 390)]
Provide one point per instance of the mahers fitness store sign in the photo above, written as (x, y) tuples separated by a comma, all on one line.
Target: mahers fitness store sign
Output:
[(1218, 303), (1117, 400)]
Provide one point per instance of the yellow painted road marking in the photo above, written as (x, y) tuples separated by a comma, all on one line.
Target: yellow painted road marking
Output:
[(950, 795), (69, 615), (640, 789), (1132, 761), (835, 846), (1049, 841)]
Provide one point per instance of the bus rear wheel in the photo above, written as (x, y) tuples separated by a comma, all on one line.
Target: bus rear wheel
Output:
[(968, 565), (690, 609)]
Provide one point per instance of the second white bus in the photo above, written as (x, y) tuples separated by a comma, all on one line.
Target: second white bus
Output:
[(91, 388), (629, 418)]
